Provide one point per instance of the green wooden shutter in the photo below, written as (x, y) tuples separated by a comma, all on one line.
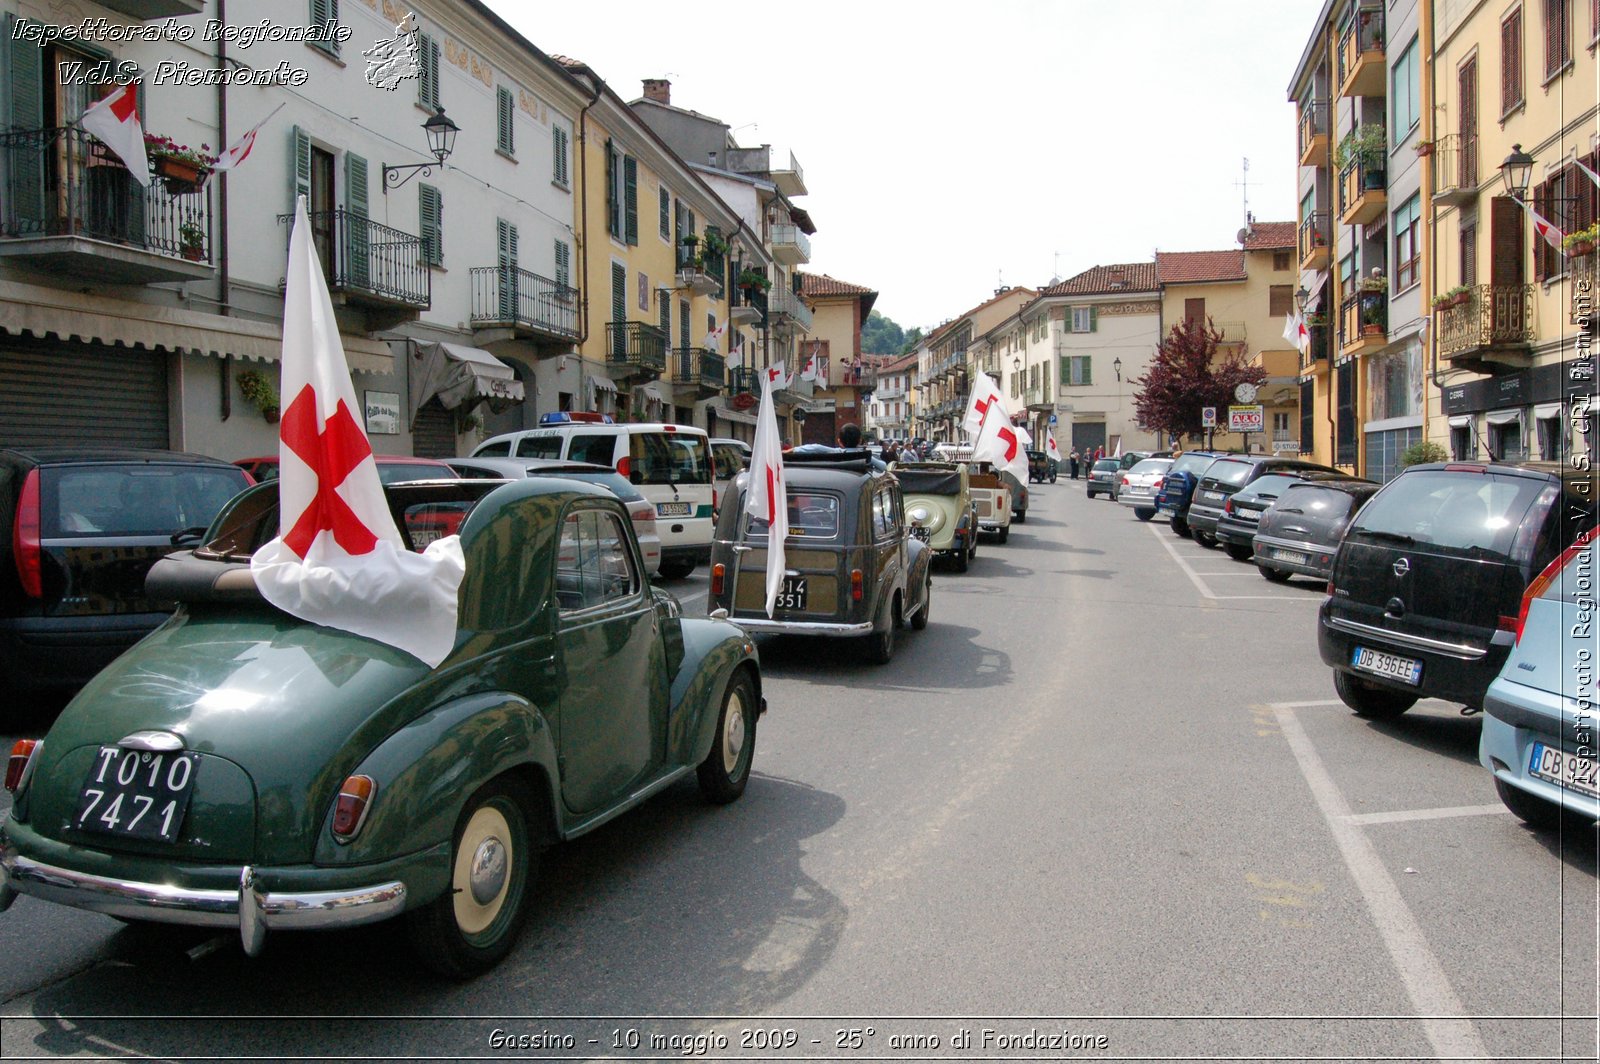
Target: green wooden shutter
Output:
[(558, 149), (630, 180), (506, 260), (666, 317), (323, 12), (619, 311), (613, 215), (428, 78), (666, 213), (430, 209), (504, 109), (25, 85), (300, 168), (357, 238), (1094, 319), (563, 264), (683, 324)]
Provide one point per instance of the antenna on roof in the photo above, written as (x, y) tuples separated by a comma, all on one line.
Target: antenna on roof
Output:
[(1244, 185)]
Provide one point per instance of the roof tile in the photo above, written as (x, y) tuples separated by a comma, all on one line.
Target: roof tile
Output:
[(1187, 267), (1116, 277), (1270, 236)]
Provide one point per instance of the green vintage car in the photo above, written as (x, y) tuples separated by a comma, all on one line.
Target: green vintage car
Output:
[(940, 508), (240, 768)]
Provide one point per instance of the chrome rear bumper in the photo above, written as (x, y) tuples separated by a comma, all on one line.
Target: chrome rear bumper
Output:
[(762, 626), (248, 908)]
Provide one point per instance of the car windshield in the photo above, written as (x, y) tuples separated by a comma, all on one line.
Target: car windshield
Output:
[(1107, 464), (1321, 500), (1152, 465), (1229, 474), (1463, 511), (544, 446), (669, 458), (401, 472), (812, 514), (133, 500), (1270, 486)]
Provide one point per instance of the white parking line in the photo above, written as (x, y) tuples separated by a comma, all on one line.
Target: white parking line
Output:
[(1401, 815), (1440, 1012), (1206, 591)]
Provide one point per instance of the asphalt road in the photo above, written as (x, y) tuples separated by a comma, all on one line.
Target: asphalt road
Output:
[(1105, 806)]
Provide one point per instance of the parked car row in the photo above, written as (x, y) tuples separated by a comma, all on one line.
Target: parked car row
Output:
[(1469, 582)]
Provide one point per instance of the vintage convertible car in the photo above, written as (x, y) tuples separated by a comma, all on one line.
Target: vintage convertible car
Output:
[(240, 768), (941, 509), (852, 567)]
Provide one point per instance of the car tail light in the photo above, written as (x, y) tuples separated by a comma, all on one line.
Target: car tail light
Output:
[(718, 571), (350, 809), (1227, 505), (1330, 587), (855, 584), (624, 465), (1124, 481), (25, 546), (1542, 582), (21, 763), (1157, 485), (1465, 467)]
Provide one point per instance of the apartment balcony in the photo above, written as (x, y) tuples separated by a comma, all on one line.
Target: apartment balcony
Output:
[(697, 367), (785, 309), (1038, 400), (1584, 284), (1313, 134), (1281, 367), (1362, 67), (1363, 323), (747, 306), (522, 304), (791, 180), (1363, 196), (1455, 169), (71, 208), (145, 10), (371, 266), (758, 161), (890, 394), (744, 381), (700, 271), (1314, 240), (790, 246), (1316, 353), (635, 349), (1491, 332)]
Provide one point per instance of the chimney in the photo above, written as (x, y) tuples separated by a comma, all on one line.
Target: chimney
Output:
[(659, 90), (713, 156)]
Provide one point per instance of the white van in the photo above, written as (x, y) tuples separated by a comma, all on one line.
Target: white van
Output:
[(670, 465)]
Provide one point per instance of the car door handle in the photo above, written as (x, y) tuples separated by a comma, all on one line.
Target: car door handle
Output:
[(743, 550)]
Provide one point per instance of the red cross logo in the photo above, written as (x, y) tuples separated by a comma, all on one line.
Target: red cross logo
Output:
[(982, 407), (772, 374), (1011, 443), (331, 454), (125, 103)]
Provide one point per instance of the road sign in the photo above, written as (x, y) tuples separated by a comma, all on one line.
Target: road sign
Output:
[(1247, 418), (1054, 420), (1208, 417)]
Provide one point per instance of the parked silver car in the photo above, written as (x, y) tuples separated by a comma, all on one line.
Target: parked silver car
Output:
[(1137, 486)]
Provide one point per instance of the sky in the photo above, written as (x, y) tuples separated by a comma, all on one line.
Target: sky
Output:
[(949, 148)]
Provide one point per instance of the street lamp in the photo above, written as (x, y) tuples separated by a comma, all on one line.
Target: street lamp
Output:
[(1300, 297), (1116, 366), (1516, 171), (441, 134), (1016, 365)]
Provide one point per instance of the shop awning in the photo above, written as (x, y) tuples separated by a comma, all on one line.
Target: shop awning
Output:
[(657, 391), (1502, 417), (1546, 410), (733, 415), (1460, 421), (602, 384), (55, 312), (461, 376)]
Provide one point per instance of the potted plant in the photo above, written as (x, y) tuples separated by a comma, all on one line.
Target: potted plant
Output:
[(753, 280), (1424, 148), (258, 388), (192, 240), (1582, 242), (713, 244), (183, 169), (1365, 145)]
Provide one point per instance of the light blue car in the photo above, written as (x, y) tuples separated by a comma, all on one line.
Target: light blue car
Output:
[(1541, 727)]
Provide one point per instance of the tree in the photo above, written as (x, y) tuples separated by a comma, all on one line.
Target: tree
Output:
[(880, 336), (913, 340), (1187, 375)]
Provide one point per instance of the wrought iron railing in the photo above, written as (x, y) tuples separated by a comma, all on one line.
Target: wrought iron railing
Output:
[(1492, 316), (744, 380), (749, 297), (1363, 34), (784, 302), (1455, 164), (634, 346), (693, 258), (1313, 234), (1363, 314), (362, 256), (64, 182), (1317, 349), (506, 295), (1357, 177), (1313, 123), (696, 365)]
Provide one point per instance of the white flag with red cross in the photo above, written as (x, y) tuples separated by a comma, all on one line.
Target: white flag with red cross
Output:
[(775, 376), (115, 121), (767, 497), (1545, 227), (339, 560), (240, 149), (999, 442), (983, 405), (1050, 448)]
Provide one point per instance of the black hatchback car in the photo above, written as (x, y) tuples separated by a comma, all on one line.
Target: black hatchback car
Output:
[(1227, 475), (84, 525), (1243, 511), (1299, 534), (1426, 586)]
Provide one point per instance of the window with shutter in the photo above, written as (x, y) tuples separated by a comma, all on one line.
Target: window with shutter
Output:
[(430, 207), (666, 213), (558, 149), (1511, 62), (505, 108), (619, 295), (683, 325), (563, 264), (428, 75), (506, 261), (1280, 300), (357, 236), (1469, 254), (1194, 310), (1407, 228), (299, 168), (630, 199), (1307, 424), (613, 190), (1557, 36), (664, 317), (1505, 242), (324, 12)]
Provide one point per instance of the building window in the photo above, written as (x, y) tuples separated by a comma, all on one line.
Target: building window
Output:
[(1281, 260), (324, 12), (1394, 384), (1075, 370), (1345, 415), (1083, 319), (430, 208), (614, 191), (1406, 91), (683, 325), (1548, 429), (1384, 450), (1308, 395), (1511, 62), (1407, 242), (505, 108), (563, 264), (1557, 36), (1554, 200), (666, 212), (1506, 441), (558, 149), (1280, 300), (1469, 254), (1461, 448), (428, 75)]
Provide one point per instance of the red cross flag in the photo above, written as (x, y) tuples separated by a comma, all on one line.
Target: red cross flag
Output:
[(1003, 444), (982, 405), (774, 376), (1545, 228), (768, 496), (1050, 448), (240, 149), (339, 560), (115, 121)]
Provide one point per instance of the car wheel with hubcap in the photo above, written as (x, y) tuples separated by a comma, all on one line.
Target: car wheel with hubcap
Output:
[(1180, 527), (1143, 513), (1275, 575), (1239, 552), (1530, 809), (1369, 700), (472, 926), (879, 646), (676, 570), (726, 768), (1020, 518), (920, 620), (1205, 539)]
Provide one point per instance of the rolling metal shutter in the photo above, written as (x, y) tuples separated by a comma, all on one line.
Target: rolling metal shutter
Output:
[(434, 433), (82, 393)]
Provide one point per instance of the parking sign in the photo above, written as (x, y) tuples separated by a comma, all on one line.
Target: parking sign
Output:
[(1208, 417)]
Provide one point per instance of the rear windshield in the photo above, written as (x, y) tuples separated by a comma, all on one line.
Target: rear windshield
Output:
[(1193, 463), (1463, 511), (1321, 501), (542, 447), (401, 472), (133, 500), (1272, 485), (494, 449), (1229, 474), (929, 481), (1109, 463), (598, 448), (669, 458), (1152, 465), (728, 460), (615, 481), (813, 515)]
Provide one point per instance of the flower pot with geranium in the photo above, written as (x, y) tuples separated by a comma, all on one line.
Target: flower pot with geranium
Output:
[(192, 241), (752, 280), (258, 388), (182, 169), (1583, 242)]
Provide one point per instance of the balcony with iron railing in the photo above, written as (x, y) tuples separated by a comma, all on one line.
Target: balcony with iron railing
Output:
[(1363, 195), (531, 306), (790, 245), (71, 207), (699, 270), (745, 380), (1489, 331), (1313, 242), (1455, 169), (700, 368), (1313, 133), (1363, 322), (1317, 348), (786, 309), (747, 306), (635, 349), (1361, 59), (371, 265)]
